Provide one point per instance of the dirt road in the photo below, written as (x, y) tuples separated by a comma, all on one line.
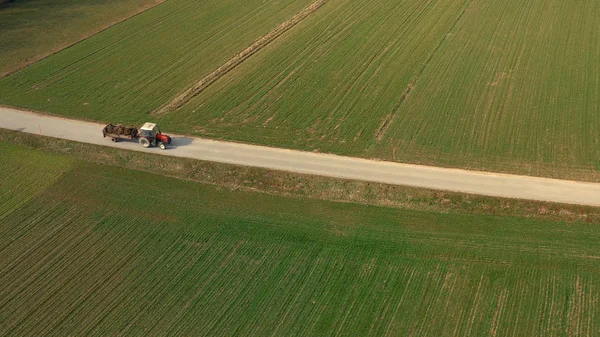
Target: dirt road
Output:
[(493, 184)]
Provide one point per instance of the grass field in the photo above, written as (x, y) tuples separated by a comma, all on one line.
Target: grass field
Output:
[(510, 86), (100, 250), (33, 29), (136, 66), (330, 84), (517, 81), (507, 86)]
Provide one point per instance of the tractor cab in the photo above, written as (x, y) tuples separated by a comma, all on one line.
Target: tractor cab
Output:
[(149, 130), (150, 135)]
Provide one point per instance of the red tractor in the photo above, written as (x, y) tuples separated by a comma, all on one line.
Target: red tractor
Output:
[(148, 135)]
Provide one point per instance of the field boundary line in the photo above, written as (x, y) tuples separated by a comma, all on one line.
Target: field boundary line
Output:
[(184, 97), (390, 117), (34, 61)]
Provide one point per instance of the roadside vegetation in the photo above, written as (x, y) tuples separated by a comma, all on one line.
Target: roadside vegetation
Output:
[(33, 29), (289, 184)]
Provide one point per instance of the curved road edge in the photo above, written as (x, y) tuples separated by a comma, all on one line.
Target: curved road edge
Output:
[(456, 180)]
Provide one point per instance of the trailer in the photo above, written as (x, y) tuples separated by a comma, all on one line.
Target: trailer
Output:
[(117, 132), (148, 135)]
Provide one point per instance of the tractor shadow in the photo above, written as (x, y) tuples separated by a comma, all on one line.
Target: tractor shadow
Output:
[(179, 141), (175, 141)]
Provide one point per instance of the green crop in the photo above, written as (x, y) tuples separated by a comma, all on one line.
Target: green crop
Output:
[(104, 251), (131, 69), (332, 82), (32, 30), (515, 83)]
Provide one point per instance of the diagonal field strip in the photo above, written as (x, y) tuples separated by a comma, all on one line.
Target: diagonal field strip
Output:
[(209, 79), (483, 183)]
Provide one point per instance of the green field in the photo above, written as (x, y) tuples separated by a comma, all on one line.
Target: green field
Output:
[(33, 29), (331, 83), (508, 86), (502, 85), (87, 249), (517, 81), (132, 68)]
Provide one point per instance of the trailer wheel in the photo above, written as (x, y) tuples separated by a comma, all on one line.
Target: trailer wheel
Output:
[(114, 140), (162, 146), (144, 142)]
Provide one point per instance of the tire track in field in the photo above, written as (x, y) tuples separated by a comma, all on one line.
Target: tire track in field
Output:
[(390, 117), (236, 60)]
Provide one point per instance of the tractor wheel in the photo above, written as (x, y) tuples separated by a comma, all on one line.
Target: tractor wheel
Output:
[(162, 146), (144, 142)]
